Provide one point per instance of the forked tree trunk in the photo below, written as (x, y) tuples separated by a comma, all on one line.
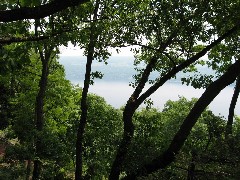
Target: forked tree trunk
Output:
[(128, 133), (140, 99), (130, 108), (180, 137)]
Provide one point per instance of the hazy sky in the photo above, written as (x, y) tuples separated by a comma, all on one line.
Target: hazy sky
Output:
[(76, 51)]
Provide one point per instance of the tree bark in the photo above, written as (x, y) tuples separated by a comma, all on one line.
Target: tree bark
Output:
[(191, 168), (128, 124), (38, 11), (28, 169), (39, 114), (210, 93), (128, 112), (125, 143), (84, 108), (83, 120), (232, 108)]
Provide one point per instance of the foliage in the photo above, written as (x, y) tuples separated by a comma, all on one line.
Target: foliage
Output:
[(22, 126), (103, 133), (172, 37), (61, 114), (206, 147)]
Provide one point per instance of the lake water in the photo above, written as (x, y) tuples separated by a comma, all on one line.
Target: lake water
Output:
[(114, 86)]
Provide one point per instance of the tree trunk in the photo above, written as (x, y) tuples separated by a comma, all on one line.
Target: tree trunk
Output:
[(128, 124), (210, 93), (132, 104), (191, 168), (28, 169), (125, 143), (39, 117), (83, 120), (232, 108), (114, 174), (84, 108)]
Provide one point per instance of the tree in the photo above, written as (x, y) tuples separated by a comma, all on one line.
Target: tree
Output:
[(84, 109), (204, 151), (180, 137), (45, 57), (222, 56), (232, 107), (102, 134), (172, 36), (22, 101), (172, 47)]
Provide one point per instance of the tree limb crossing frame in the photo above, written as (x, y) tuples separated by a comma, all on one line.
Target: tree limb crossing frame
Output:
[(38, 11)]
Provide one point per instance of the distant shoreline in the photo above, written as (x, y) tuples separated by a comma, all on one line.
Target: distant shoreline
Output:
[(117, 94), (114, 86)]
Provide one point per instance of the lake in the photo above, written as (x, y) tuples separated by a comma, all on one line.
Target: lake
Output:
[(114, 86)]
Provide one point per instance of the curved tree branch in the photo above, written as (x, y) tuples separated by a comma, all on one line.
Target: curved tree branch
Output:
[(38, 11), (128, 113), (233, 103), (210, 93), (9, 40), (185, 64)]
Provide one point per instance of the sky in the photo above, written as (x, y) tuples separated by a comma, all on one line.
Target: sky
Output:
[(76, 51), (220, 104)]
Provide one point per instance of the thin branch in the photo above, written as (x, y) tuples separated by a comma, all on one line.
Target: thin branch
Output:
[(185, 64), (170, 58), (145, 46), (9, 40), (150, 66)]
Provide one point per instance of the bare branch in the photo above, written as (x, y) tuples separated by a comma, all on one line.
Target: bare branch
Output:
[(9, 40)]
